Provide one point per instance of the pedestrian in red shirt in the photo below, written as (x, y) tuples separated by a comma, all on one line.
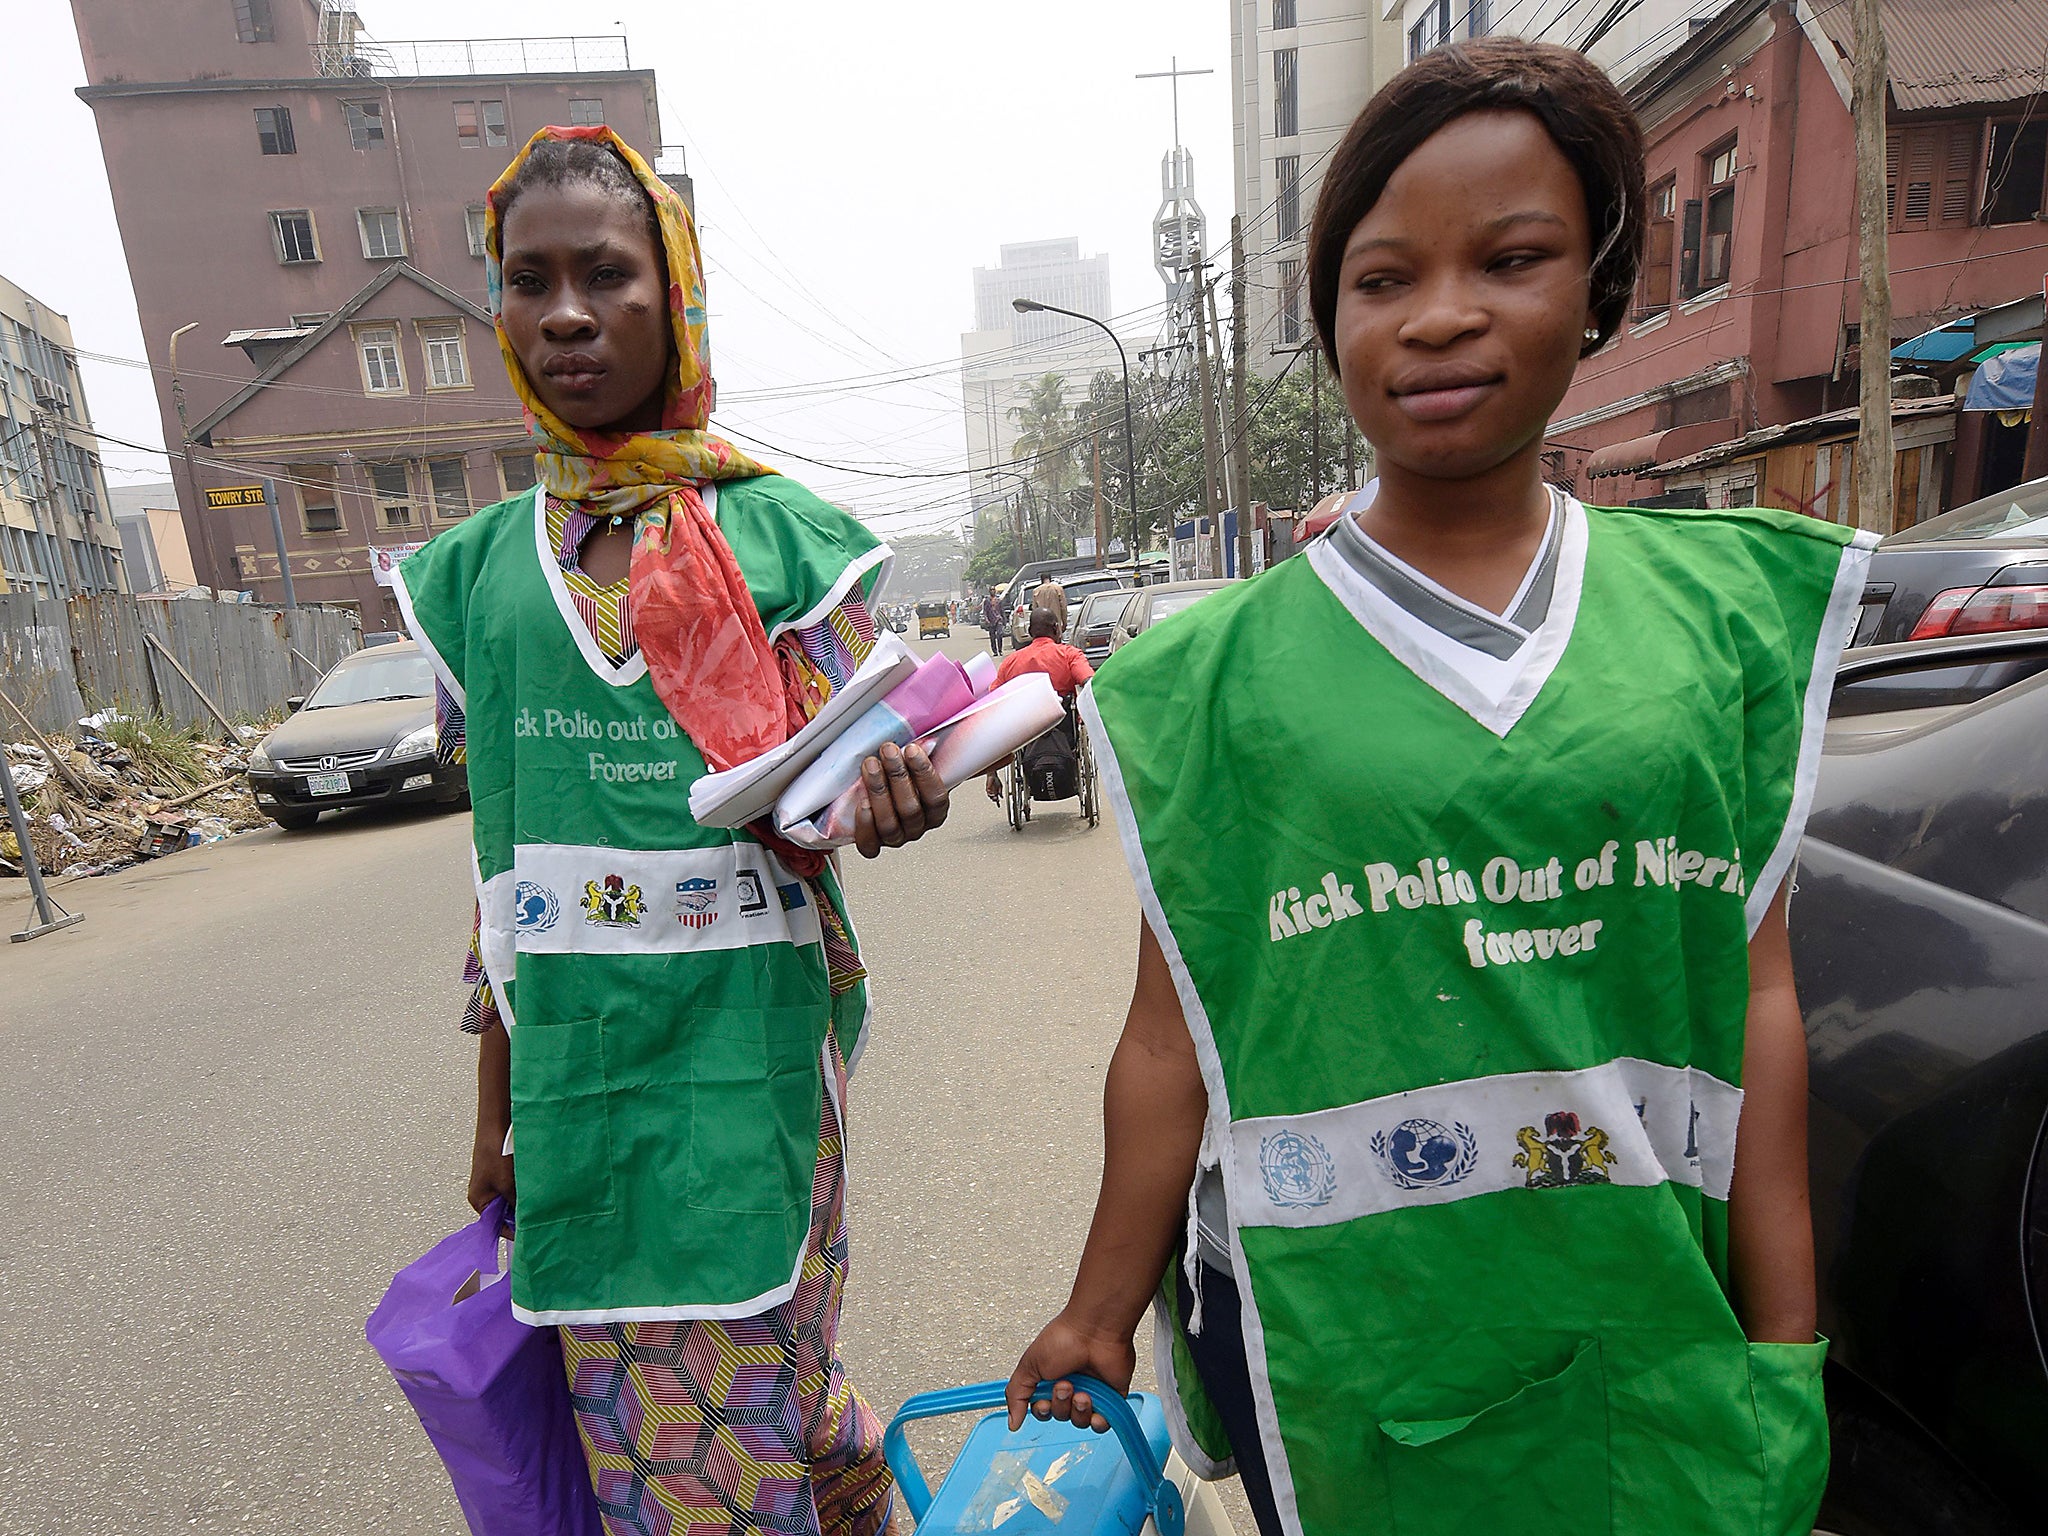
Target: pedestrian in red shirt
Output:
[(1066, 667)]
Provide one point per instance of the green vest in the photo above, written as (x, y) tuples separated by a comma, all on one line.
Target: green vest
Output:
[(664, 984), (1467, 974)]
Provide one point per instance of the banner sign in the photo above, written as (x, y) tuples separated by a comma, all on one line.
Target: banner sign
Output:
[(385, 559)]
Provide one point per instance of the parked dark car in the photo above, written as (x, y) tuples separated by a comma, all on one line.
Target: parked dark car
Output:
[(364, 736), (1978, 569), (1920, 941), (1149, 605), (1090, 625)]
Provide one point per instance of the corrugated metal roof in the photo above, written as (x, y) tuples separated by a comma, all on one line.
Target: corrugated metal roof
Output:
[(1948, 53)]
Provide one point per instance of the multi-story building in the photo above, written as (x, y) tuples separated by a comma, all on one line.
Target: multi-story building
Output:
[(153, 538), (1301, 70), (1747, 315), (302, 211), (56, 535), (1007, 353)]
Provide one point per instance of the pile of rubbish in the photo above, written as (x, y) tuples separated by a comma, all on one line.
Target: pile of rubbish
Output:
[(118, 791)]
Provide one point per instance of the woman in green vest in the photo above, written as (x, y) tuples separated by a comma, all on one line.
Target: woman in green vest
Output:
[(667, 1010), (1462, 963)]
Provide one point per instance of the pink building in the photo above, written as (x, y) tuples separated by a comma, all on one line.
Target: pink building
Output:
[(1747, 315), (302, 211)]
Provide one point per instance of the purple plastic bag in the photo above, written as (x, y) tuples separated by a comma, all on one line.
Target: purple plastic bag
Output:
[(489, 1390)]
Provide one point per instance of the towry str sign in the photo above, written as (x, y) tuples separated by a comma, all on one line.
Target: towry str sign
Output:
[(219, 497)]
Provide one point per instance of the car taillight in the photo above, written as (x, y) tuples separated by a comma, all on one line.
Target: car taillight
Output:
[(1941, 613), (1997, 608)]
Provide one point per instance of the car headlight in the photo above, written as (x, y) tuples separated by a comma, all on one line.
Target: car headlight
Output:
[(259, 761), (418, 744)]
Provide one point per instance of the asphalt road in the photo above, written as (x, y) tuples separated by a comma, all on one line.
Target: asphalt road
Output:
[(235, 1100)]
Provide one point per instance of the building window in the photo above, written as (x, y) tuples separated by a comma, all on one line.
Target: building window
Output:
[(1930, 178), (1283, 14), (365, 122), (1717, 234), (469, 129), (293, 230), (383, 236), (447, 362), (586, 112), (274, 131), (478, 229), (451, 488), (318, 508), (2019, 161), (391, 489), (1653, 293), (1286, 95), (494, 123), (1290, 303), (1287, 179), (1479, 18), (517, 472), (1430, 30), (252, 21), (383, 374)]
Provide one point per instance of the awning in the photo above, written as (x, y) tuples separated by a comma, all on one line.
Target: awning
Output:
[(1943, 344), (2005, 382), (1624, 458), (1639, 453)]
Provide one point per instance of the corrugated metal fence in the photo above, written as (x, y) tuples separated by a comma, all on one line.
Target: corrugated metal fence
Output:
[(61, 660)]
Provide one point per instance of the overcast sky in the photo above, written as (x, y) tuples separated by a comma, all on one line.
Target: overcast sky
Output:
[(853, 167)]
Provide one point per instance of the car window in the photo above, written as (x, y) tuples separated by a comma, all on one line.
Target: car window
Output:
[(1930, 684), (406, 676), (1167, 603), (2018, 513)]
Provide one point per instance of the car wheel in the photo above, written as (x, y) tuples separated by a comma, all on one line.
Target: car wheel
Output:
[(294, 821), (1889, 1479)]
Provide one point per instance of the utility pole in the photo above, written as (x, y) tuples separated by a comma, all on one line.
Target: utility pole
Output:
[(1212, 435), (1350, 450), (1101, 534), (1874, 465), (210, 576), (1240, 407), (1315, 431)]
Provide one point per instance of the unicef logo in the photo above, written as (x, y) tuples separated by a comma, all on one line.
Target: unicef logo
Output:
[(1420, 1154), (535, 907), (1298, 1170)]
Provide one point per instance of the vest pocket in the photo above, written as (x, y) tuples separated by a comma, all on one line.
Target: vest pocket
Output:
[(561, 1119), (754, 1108), (1792, 1425), (1535, 1461)]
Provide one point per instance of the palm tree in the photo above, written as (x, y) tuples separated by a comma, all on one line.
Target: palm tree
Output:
[(1044, 447)]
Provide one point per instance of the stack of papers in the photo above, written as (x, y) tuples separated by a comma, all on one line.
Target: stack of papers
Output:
[(810, 787)]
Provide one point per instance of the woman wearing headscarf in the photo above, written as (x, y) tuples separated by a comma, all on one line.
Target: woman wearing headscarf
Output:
[(667, 1010)]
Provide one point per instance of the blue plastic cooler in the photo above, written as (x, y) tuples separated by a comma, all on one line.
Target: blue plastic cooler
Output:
[(1047, 1477)]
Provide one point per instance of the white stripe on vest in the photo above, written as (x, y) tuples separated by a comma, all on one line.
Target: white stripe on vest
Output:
[(1627, 1121), (562, 899)]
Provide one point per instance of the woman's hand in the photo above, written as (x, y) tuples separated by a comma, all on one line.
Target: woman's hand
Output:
[(490, 1171), (1065, 1348), (905, 800)]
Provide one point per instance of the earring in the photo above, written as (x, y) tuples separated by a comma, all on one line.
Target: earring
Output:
[(1592, 333)]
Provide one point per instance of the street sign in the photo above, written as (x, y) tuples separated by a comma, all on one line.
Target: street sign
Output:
[(221, 496)]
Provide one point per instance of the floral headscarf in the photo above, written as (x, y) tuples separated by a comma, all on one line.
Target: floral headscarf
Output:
[(707, 652)]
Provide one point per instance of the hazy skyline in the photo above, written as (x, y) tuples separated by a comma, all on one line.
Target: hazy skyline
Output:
[(847, 187)]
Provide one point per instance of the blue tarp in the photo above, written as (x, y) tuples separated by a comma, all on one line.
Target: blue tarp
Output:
[(1944, 344), (2005, 382)]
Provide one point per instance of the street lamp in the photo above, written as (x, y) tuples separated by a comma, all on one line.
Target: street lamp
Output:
[(1033, 306)]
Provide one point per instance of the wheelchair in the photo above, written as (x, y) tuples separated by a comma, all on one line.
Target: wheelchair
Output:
[(1021, 792)]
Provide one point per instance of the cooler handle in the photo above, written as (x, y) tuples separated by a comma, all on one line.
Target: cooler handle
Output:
[(1161, 1497)]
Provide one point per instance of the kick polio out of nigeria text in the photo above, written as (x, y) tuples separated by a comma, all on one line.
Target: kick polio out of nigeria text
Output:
[(1502, 881)]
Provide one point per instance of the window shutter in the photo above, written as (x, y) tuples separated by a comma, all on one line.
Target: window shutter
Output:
[(1960, 155), (1689, 250), (1657, 267), (1891, 179), (1922, 148)]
